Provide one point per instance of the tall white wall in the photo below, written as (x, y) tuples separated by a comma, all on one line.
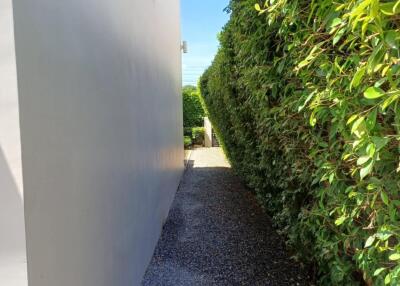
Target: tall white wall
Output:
[(101, 126), (12, 234), (207, 133)]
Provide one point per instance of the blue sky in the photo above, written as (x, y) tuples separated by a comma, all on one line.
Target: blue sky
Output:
[(201, 21)]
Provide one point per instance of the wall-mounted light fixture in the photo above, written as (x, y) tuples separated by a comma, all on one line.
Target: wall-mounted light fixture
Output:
[(184, 47)]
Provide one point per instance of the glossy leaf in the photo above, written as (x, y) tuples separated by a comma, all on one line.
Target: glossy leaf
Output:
[(373, 92)]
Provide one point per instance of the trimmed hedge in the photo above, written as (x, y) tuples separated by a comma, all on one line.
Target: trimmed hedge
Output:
[(187, 142), (193, 112), (304, 97)]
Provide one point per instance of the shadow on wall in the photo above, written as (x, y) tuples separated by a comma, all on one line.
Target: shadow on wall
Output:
[(12, 233)]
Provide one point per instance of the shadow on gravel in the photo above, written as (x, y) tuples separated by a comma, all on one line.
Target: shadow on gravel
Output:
[(216, 234)]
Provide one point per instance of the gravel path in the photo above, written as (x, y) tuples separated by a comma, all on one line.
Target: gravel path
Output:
[(216, 234)]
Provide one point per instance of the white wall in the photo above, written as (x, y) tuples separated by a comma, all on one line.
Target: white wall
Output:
[(101, 126), (12, 234), (207, 133)]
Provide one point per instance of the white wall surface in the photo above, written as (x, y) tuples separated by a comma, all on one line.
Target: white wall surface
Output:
[(12, 233), (101, 126), (9, 118), (207, 133)]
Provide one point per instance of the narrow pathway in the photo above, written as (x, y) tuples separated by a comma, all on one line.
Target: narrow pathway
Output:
[(216, 234)]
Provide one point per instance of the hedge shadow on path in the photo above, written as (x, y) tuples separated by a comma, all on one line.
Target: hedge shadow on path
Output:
[(217, 234)]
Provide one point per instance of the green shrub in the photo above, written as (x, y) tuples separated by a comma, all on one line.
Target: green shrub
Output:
[(187, 141), (198, 135), (304, 98), (193, 112), (187, 131)]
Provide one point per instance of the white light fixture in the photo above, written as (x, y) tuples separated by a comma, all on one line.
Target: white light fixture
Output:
[(184, 47)]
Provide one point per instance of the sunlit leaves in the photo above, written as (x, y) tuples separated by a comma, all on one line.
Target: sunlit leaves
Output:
[(311, 56), (305, 97), (393, 97), (358, 127), (395, 256), (369, 241), (340, 220), (373, 92), (358, 77), (379, 271), (362, 160), (365, 171)]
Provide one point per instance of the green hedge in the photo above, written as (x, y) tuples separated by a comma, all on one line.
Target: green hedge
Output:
[(193, 112), (304, 97), (198, 135), (187, 142)]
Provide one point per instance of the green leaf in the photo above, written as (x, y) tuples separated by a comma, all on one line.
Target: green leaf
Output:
[(257, 7), (373, 92), (338, 36), (371, 150), (309, 97), (357, 124), (395, 256), (391, 39), (362, 160), (352, 118), (390, 8), (331, 178), (310, 57), (380, 142), (384, 235), (390, 100), (358, 77), (369, 241), (335, 22), (379, 271), (352, 194), (376, 58), (388, 278), (313, 120), (396, 7), (385, 198), (371, 119), (340, 220), (366, 170)]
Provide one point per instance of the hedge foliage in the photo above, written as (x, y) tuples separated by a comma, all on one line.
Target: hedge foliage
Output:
[(193, 112), (198, 134), (187, 142), (304, 96)]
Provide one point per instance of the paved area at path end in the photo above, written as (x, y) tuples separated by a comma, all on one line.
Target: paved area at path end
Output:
[(216, 233)]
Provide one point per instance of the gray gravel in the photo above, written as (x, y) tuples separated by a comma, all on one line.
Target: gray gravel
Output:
[(216, 234)]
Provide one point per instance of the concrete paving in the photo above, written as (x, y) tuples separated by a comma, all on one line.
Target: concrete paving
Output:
[(216, 233)]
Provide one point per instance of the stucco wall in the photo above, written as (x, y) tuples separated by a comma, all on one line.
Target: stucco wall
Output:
[(101, 127), (12, 234), (207, 133)]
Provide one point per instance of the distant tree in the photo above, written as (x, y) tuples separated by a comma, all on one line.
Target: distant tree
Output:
[(193, 112)]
